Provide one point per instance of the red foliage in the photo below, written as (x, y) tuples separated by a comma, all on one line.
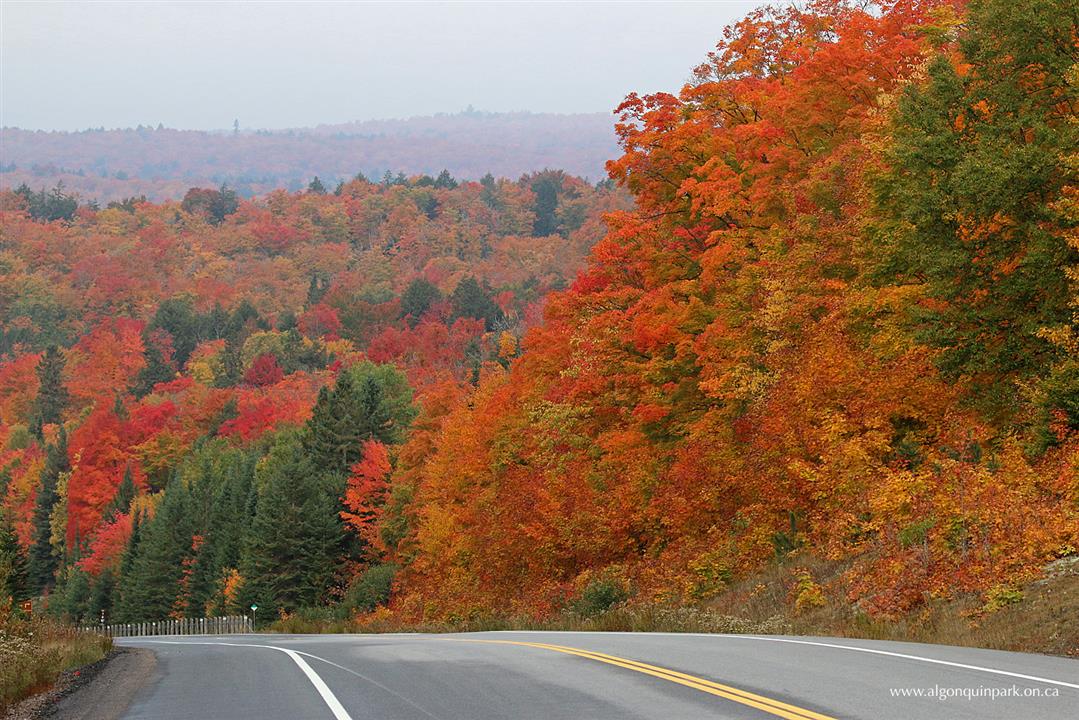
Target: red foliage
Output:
[(321, 320), (264, 371), (366, 491)]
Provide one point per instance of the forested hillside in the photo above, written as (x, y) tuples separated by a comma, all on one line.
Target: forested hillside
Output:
[(184, 381), (839, 320), (162, 163)]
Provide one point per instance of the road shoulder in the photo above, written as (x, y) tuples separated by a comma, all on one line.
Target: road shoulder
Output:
[(101, 691)]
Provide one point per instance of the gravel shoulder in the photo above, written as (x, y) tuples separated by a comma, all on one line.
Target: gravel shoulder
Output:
[(100, 691)]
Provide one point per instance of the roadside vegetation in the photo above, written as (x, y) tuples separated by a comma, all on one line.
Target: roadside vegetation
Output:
[(798, 596), (34, 651)]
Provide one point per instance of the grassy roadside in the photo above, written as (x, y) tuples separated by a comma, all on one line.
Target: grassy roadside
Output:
[(803, 598), (33, 653)]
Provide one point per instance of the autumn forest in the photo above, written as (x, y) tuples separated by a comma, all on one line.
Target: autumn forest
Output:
[(825, 306)]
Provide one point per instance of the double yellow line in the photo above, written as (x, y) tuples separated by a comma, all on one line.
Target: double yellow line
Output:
[(765, 704)]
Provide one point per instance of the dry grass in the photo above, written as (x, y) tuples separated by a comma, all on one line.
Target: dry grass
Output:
[(1043, 617), (34, 652)]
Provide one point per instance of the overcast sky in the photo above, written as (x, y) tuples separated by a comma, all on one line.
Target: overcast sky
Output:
[(73, 65)]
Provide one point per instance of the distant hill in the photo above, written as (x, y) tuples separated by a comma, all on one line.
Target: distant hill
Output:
[(162, 163)]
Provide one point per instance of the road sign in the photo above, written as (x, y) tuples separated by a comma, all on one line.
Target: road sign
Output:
[(254, 608), (27, 607)]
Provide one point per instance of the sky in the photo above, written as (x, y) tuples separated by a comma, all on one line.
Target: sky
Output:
[(200, 65)]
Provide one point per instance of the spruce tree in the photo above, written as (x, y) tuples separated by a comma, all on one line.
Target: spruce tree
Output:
[(157, 369), (291, 550), (43, 560), (12, 565), (123, 609), (102, 594), (121, 501), (470, 300), (52, 395), (154, 586)]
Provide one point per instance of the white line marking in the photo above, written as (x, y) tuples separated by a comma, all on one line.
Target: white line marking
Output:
[(376, 683), (853, 648), (328, 697), (910, 657)]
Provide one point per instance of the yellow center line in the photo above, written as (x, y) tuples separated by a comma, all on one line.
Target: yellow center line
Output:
[(766, 704)]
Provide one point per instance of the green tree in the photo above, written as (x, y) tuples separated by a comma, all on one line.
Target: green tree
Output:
[(123, 604), (417, 298), (975, 168), (368, 401), (43, 559), (178, 318), (158, 369), (153, 588), (445, 181), (121, 501), (546, 185), (52, 395), (13, 580), (102, 594), (291, 552), (470, 300)]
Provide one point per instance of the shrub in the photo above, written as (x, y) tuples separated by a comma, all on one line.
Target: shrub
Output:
[(370, 589), (600, 595)]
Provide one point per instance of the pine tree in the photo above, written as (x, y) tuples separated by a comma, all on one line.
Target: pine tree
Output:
[(43, 560), (417, 298), (102, 595), (52, 395), (71, 600)]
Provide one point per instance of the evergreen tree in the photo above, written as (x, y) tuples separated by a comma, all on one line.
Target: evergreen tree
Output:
[(52, 396), (445, 181), (469, 300), (546, 185), (417, 298), (315, 187), (178, 318), (102, 593), (43, 560), (13, 580), (316, 290), (368, 401), (975, 171), (291, 550), (157, 369), (123, 608), (121, 501), (154, 586)]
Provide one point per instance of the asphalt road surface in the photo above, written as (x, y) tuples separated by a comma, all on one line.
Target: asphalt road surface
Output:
[(593, 676)]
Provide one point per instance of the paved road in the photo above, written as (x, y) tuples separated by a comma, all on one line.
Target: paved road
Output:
[(591, 676)]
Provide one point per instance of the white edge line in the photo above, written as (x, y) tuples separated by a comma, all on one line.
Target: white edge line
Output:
[(328, 697), (853, 648), (911, 657)]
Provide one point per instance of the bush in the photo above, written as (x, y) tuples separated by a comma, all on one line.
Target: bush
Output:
[(600, 595), (370, 589)]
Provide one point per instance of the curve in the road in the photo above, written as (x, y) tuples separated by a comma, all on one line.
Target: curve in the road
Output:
[(321, 687), (766, 704)]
